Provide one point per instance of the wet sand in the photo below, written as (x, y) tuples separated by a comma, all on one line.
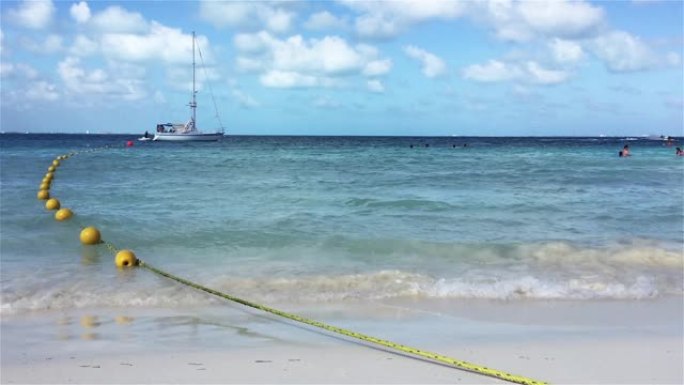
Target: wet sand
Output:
[(634, 342)]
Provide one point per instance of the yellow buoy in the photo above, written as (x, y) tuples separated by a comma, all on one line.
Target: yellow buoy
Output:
[(49, 175), (55, 162), (52, 204), (125, 258), (44, 186), (52, 169), (43, 194), (90, 236), (63, 214)]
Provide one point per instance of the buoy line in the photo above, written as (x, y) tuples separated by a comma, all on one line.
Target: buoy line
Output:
[(124, 258)]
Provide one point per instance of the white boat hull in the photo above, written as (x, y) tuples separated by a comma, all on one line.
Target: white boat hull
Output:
[(193, 137)]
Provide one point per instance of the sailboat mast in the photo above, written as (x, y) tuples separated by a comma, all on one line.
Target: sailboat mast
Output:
[(193, 104)]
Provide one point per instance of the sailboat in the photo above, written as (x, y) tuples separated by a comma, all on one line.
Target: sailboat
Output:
[(185, 132)]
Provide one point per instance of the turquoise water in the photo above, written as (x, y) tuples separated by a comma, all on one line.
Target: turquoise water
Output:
[(312, 220)]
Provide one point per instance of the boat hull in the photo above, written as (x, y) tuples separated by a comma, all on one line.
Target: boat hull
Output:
[(171, 137)]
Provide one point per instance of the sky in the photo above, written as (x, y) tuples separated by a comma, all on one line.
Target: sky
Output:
[(419, 67)]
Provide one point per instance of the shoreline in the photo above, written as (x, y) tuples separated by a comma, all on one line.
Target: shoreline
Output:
[(554, 341)]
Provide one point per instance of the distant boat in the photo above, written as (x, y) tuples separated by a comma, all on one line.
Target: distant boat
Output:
[(661, 137), (185, 132)]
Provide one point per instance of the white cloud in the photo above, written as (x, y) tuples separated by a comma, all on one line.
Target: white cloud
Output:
[(289, 79), (34, 14), (622, 52), (20, 70), (525, 20), (162, 44), (561, 18), (493, 71), (246, 64), (375, 86), (565, 51), (298, 62), (529, 72), (83, 46), (80, 12), (432, 65), (385, 19), (540, 75), (253, 42), (51, 44), (41, 90), (248, 15), (115, 19), (330, 55), (98, 82), (377, 67), (325, 21)]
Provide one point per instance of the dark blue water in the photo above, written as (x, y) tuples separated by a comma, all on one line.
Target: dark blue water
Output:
[(325, 219)]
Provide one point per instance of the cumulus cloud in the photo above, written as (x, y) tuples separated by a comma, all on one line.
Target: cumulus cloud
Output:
[(325, 21), (115, 19), (377, 67), (289, 79), (32, 86), (34, 14), (493, 71), (540, 75), (80, 12), (386, 19), (528, 72), (163, 44), (565, 51), (299, 62), (21, 70), (561, 18), (622, 52), (41, 90), (273, 17), (432, 65), (525, 20), (83, 46), (98, 82), (51, 44)]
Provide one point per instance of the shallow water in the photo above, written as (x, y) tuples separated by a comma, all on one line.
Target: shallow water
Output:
[(313, 220)]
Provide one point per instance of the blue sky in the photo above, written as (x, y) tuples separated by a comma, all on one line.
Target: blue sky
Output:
[(420, 67)]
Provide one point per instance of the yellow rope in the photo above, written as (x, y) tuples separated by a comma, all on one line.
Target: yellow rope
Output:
[(363, 337)]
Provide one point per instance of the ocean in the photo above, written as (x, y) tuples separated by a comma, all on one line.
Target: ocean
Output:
[(309, 221)]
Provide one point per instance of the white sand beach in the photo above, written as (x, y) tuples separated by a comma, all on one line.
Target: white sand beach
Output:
[(562, 342)]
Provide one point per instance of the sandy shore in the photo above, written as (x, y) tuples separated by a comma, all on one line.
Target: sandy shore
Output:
[(633, 361), (635, 342)]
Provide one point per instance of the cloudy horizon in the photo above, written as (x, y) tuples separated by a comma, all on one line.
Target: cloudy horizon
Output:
[(489, 68)]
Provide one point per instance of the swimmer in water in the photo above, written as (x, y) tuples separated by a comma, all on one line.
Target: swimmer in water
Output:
[(625, 151)]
